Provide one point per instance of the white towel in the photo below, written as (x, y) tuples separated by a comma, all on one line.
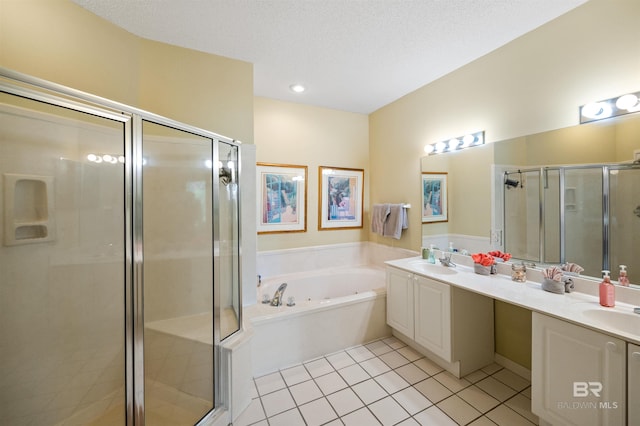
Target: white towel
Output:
[(396, 221), (379, 214)]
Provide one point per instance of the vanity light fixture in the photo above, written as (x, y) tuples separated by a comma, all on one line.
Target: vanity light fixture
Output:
[(456, 144), (614, 107)]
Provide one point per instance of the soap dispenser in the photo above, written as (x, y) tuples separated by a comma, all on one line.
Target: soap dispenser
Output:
[(432, 255), (607, 291), (623, 280)]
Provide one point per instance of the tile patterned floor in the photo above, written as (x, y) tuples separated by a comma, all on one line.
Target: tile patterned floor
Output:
[(387, 383)]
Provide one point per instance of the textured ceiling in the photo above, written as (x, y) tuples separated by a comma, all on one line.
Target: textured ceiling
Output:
[(353, 55)]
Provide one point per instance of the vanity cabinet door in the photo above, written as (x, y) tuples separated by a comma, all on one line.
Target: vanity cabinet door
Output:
[(400, 301), (433, 316), (633, 384), (578, 375)]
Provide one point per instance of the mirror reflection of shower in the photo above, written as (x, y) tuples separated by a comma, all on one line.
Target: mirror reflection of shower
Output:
[(226, 172), (510, 183)]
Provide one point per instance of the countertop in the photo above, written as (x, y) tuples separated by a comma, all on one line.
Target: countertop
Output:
[(575, 307)]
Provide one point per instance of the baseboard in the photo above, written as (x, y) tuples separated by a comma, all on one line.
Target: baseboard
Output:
[(513, 366)]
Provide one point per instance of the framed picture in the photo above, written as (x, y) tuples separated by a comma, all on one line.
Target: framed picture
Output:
[(341, 196), (282, 198), (434, 197)]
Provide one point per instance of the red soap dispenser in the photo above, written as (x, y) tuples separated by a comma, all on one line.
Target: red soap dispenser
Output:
[(607, 291)]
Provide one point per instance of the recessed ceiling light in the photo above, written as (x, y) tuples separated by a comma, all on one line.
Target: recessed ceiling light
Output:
[(297, 88)]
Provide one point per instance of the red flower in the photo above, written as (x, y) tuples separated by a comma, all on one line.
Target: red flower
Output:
[(501, 255), (483, 259)]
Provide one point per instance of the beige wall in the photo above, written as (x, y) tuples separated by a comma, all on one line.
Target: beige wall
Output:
[(290, 133), (533, 84), (57, 40)]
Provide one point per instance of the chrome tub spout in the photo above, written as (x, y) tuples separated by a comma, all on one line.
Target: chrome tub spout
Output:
[(277, 297)]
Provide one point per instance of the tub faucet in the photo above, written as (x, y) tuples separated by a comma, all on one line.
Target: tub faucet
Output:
[(259, 280), (277, 297)]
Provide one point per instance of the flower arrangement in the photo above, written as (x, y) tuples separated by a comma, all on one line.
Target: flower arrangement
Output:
[(500, 255), (484, 259)]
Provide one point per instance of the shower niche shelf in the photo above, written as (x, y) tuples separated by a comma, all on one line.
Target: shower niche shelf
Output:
[(28, 209)]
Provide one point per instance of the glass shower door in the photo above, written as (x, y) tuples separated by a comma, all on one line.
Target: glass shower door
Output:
[(624, 220), (178, 271), (62, 265)]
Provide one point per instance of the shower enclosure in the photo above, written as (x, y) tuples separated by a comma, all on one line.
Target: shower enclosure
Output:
[(119, 262), (582, 214)]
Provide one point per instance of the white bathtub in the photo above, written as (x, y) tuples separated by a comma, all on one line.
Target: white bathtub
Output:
[(335, 308)]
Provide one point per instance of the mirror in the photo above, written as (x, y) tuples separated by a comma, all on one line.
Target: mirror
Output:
[(477, 192)]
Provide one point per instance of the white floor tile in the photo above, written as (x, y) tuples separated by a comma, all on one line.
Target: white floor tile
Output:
[(433, 390), (394, 359), (369, 391), (277, 402), (379, 347), (482, 421), (270, 383), (353, 374), (305, 392), (522, 405), (288, 418), (527, 392), (433, 416), (394, 343), (409, 422), (361, 417), (504, 416), (319, 367), (476, 376), (253, 413), (360, 353), (478, 398), (411, 373), (456, 408), (493, 368), (388, 411), (295, 375), (409, 353), (496, 389), (451, 382), (391, 381), (428, 366), (317, 412), (512, 380), (336, 422), (375, 366), (340, 360), (412, 400), (330, 383), (345, 401)]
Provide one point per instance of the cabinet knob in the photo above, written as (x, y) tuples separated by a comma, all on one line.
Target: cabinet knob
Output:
[(635, 356), (612, 347)]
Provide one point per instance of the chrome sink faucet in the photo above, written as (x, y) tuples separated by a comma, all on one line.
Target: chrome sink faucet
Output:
[(277, 297)]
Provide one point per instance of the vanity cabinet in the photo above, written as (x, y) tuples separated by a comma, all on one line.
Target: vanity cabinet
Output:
[(578, 374), (633, 384), (399, 298), (454, 327)]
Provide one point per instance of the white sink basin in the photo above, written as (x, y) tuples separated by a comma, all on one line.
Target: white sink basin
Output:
[(424, 266), (626, 322)]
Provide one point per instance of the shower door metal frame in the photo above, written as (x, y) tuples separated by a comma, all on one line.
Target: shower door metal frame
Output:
[(29, 87), (606, 207)]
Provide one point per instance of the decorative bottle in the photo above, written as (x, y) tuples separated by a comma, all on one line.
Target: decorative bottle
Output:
[(623, 280), (607, 291), (432, 254)]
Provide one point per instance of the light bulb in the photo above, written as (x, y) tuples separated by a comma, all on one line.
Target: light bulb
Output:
[(297, 88), (628, 102), (467, 140), (597, 110), (429, 149), (91, 157), (453, 144), (441, 146)]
